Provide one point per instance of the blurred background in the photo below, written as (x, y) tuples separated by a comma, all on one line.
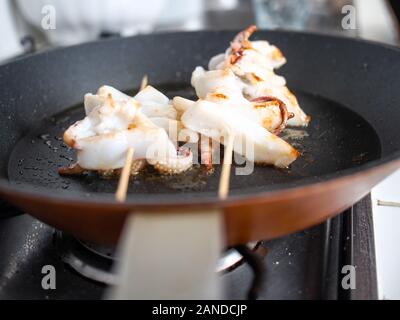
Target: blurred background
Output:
[(31, 25), (28, 26)]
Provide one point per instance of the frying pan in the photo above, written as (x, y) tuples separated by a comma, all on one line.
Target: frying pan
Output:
[(349, 87)]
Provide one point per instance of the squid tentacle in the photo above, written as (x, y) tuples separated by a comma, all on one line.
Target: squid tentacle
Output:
[(240, 43), (285, 114), (175, 165)]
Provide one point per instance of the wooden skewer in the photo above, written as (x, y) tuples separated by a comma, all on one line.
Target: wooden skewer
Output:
[(123, 183), (388, 204), (120, 194), (145, 82), (224, 180)]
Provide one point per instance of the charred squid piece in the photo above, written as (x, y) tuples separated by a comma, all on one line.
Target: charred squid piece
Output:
[(285, 115), (240, 43), (73, 170)]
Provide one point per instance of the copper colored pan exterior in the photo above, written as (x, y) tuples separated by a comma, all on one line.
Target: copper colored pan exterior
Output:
[(263, 217)]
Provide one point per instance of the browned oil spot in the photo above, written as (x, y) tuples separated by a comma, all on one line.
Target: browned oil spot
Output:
[(294, 134)]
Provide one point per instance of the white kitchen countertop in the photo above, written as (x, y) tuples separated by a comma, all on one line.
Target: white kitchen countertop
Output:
[(387, 237), (375, 22)]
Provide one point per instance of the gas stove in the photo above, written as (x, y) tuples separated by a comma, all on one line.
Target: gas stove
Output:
[(304, 265)]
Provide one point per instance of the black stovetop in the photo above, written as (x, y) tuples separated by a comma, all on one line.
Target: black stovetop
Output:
[(304, 265)]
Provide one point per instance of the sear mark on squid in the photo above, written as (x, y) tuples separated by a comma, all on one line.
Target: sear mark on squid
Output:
[(285, 115)]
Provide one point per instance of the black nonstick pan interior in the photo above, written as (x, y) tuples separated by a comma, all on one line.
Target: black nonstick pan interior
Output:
[(346, 86), (337, 139)]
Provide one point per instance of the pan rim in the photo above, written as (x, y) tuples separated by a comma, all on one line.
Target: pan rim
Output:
[(6, 188), (316, 34)]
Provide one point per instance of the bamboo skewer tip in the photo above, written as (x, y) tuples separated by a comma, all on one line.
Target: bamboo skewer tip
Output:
[(145, 82)]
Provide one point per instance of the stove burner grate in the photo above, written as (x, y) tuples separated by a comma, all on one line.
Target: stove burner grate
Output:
[(95, 261)]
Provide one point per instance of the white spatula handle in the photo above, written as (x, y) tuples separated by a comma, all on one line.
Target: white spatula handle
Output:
[(170, 256)]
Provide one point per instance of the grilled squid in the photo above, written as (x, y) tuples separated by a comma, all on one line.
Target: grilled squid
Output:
[(113, 125), (240, 96), (224, 87), (154, 104), (253, 63), (265, 102), (250, 139), (174, 165)]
